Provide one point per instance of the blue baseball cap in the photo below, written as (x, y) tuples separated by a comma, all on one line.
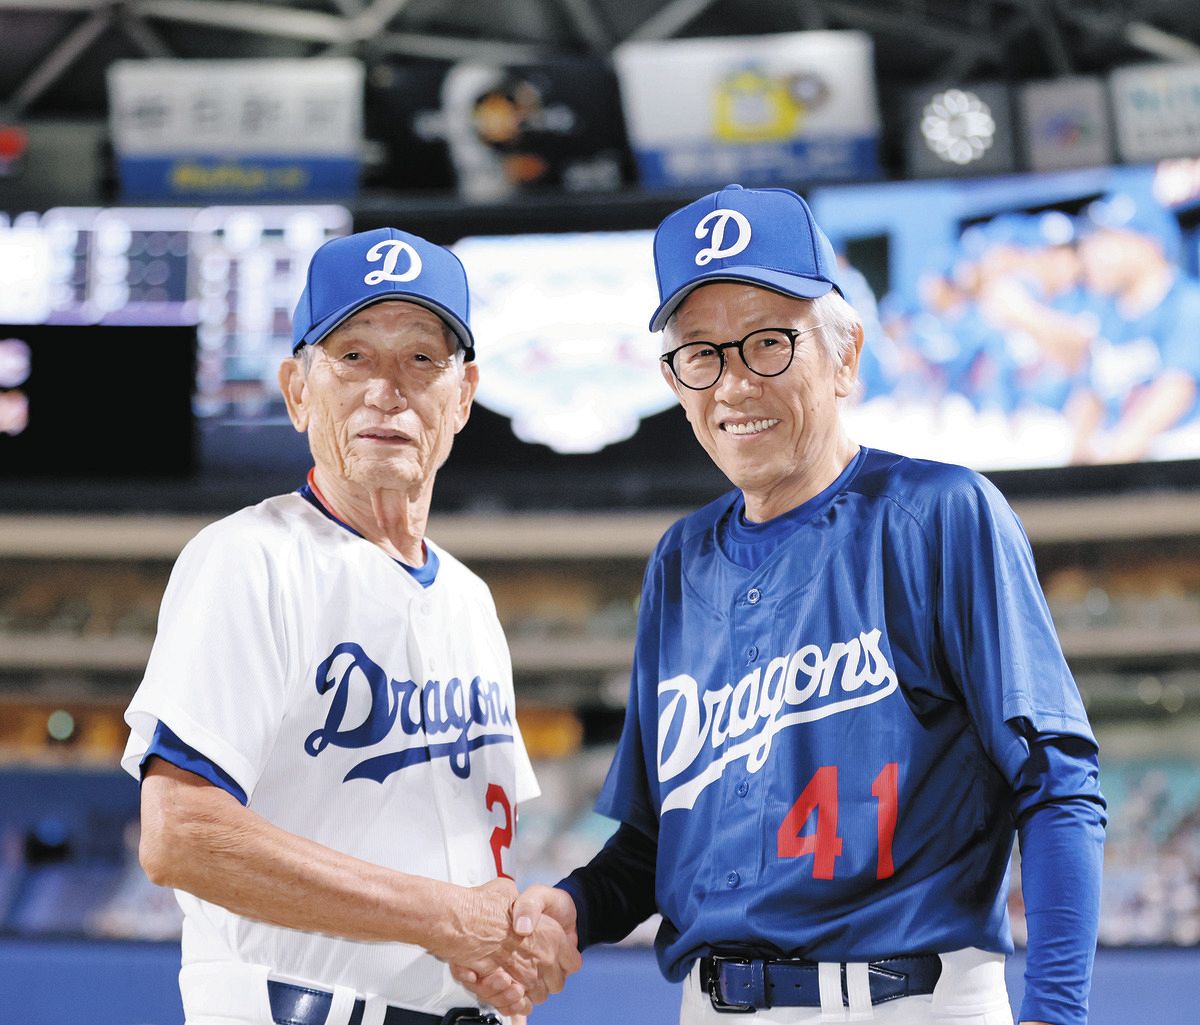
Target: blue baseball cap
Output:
[(1056, 228), (349, 273), (765, 237)]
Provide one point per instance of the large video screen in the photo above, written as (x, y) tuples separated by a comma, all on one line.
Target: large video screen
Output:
[(97, 401), (1026, 321), (1012, 324), (230, 274), (1015, 323)]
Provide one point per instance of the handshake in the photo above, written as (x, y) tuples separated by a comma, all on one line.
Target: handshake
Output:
[(511, 951)]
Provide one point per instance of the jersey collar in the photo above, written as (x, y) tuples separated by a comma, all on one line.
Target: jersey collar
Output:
[(424, 575)]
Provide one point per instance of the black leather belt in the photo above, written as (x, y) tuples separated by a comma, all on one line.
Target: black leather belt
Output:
[(301, 1005), (740, 985)]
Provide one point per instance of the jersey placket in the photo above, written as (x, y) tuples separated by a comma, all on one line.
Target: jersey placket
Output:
[(428, 664), (743, 793)]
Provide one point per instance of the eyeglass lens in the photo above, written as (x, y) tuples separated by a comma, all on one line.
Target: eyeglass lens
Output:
[(767, 353)]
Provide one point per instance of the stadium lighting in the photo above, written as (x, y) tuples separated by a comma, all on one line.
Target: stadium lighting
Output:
[(958, 126)]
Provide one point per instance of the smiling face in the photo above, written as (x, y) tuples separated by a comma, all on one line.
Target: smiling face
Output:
[(778, 439), (382, 398)]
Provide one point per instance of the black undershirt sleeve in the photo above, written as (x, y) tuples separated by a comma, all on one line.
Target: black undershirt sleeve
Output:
[(614, 892)]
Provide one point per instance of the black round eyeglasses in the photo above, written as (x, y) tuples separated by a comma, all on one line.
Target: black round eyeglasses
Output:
[(767, 352)]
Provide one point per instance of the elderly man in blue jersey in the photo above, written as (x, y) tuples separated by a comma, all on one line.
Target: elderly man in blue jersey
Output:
[(847, 693)]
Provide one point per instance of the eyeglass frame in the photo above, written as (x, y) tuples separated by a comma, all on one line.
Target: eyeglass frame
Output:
[(792, 334)]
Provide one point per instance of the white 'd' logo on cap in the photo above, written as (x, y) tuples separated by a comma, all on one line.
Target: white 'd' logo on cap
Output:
[(718, 250), (389, 252)]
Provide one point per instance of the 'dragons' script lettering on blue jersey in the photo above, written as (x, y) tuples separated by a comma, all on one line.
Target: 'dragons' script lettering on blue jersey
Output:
[(473, 713), (700, 733)]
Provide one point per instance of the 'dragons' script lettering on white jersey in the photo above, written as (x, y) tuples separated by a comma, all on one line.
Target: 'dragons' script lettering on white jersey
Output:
[(470, 713), (741, 720)]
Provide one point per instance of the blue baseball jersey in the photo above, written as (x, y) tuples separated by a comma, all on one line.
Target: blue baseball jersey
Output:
[(828, 747)]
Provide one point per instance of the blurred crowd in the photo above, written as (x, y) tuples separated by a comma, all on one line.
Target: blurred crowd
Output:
[(1086, 322), (82, 878), (1152, 864), (1151, 889)]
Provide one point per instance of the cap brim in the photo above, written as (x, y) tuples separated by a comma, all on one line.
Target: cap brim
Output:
[(775, 281), (318, 331)]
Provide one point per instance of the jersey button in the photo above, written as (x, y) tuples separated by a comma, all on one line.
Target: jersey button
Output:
[(743, 788), (732, 880), (751, 653), (754, 596)]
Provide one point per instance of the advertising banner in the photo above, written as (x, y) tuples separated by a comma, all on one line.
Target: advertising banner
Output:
[(520, 128), (1156, 108), (793, 107), (1065, 123), (236, 130)]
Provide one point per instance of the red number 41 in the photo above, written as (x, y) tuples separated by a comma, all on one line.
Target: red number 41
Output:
[(821, 796)]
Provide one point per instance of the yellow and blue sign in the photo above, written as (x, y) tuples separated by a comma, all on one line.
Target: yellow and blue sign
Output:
[(792, 107)]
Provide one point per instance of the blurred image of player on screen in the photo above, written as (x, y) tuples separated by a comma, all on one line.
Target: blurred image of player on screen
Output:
[(1144, 363)]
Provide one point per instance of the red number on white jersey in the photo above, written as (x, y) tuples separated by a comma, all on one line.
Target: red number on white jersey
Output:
[(502, 836)]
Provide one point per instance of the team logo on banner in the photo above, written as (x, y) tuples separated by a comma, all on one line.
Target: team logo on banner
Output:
[(389, 252), (718, 250)]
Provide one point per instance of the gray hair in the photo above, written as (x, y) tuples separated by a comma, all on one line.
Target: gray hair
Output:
[(841, 324)]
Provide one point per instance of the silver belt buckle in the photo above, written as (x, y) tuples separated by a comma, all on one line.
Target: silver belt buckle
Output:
[(720, 1005)]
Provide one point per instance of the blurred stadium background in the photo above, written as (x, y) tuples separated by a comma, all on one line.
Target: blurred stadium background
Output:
[(1014, 188)]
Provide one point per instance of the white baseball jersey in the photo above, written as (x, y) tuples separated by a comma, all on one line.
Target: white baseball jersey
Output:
[(353, 706)]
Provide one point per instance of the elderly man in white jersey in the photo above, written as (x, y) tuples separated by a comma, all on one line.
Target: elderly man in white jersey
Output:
[(325, 733)]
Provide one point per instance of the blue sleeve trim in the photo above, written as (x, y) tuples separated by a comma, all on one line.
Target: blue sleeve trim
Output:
[(1059, 769), (167, 746), (1056, 721)]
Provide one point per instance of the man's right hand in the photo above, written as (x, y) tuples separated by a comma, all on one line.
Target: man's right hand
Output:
[(477, 924), (513, 982)]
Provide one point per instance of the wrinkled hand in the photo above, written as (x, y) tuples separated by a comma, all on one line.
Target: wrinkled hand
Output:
[(477, 924), (512, 982)]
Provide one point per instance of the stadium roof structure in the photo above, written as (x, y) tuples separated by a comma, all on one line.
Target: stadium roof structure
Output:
[(55, 51)]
